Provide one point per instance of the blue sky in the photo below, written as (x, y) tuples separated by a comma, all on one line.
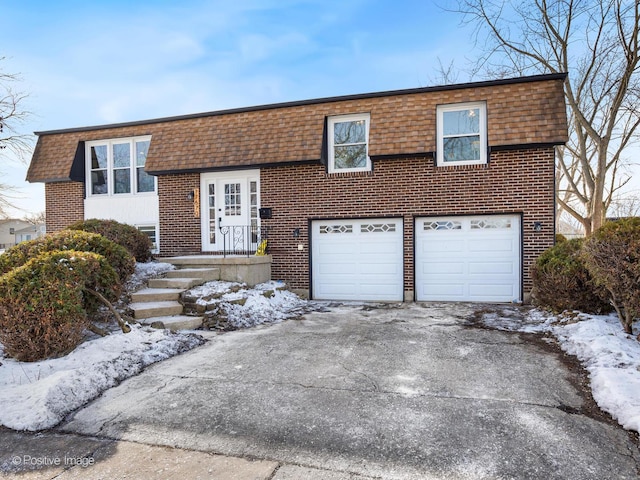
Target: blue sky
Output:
[(95, 62)]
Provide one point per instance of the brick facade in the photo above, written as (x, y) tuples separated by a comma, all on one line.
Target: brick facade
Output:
[(179, 227), (515, 181), (64, 204)]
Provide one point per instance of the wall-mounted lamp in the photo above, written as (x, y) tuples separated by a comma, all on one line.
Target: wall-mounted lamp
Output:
[(537, 226), (296, 233), (190, 195)]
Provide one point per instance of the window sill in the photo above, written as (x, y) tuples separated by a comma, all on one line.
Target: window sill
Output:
[(124, 195), (367, 173), (473, 166)]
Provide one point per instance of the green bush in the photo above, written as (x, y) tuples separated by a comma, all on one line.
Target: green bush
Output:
[(561, 280), (137, 243), (612, 255), (560, 238), (44, 303), (116, 255)]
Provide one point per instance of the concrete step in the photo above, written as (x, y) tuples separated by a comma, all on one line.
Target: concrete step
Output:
[(156, 294), (143, 310), (207, 274), (184, 283), (175, 322)]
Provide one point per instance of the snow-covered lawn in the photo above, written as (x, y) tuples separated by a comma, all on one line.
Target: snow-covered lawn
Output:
[(611, 357), (38, 395)]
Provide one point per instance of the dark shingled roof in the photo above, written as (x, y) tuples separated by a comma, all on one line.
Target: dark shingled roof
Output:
[(520, 111)]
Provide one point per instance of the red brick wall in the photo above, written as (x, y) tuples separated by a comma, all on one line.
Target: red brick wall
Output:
[(179, 227), (516, 181), (64, 204)]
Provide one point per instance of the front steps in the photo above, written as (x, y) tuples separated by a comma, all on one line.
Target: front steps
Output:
[(159, 306)]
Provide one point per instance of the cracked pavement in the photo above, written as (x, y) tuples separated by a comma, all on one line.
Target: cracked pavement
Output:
[(394, 391)]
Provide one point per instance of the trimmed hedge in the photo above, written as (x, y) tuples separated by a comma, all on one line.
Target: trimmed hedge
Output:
[(44, 303), (612, 255), (137, 243), (561, 280), (117, 256)]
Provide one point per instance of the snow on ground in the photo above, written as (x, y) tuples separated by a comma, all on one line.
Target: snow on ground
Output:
[(38, 395), (243, 307), (611, 357), (145, 271)]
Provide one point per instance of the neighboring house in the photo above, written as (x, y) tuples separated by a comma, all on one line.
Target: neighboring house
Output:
[(441, 193), (29, 233), (8, 229)]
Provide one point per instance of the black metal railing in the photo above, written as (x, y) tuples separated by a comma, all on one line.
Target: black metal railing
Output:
[(244, 239)]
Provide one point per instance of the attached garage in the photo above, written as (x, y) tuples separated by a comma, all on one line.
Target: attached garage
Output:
[(357, 259), (474, 258)]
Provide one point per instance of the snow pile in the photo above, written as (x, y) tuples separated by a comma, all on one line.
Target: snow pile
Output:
[(38, 395), (145, 271), (611, 356), (239, 306), (613, 361)]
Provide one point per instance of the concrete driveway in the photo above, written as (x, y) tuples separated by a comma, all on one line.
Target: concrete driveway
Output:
[(394, 391)]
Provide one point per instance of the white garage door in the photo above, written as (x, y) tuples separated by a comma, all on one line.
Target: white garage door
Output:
[(468, 258), (357, 259)]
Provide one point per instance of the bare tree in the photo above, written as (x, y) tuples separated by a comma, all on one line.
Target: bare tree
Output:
[(14, 146), (596, 42), (39, 218), (12, 116)]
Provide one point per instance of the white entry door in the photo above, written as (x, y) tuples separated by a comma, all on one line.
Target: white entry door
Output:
[(230, 203), (468, 258), (357, 259)]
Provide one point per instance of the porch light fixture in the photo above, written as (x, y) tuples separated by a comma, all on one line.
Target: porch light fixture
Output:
[(190, 195), (537, 226), (296, 233)]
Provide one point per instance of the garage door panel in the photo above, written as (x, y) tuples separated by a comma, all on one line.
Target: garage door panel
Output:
[(492, 245), (390, 269), (438, 291), (475, 258), (368, 252), (344, 268), (337, 248), (338, 288), (443, 245), (491, 290), (487, 268), (443, 268)]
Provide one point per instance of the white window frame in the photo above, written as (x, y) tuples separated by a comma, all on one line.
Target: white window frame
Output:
[(331, 145), (455, 107), (155, 248), (133, 168)]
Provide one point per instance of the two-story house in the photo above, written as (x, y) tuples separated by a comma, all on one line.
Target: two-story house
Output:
[(443, 193)]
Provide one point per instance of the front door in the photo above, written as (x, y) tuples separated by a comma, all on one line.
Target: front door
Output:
[(230, 204)]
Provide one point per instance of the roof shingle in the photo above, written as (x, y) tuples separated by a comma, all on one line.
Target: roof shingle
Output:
[(520, 111)]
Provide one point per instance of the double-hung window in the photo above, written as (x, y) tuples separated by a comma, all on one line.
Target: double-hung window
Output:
[(462, 134), (116, 166), (348, 143)]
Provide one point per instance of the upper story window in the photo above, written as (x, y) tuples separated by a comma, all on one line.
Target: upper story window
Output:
[(462, 134), (348, 138), (116, 166)]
